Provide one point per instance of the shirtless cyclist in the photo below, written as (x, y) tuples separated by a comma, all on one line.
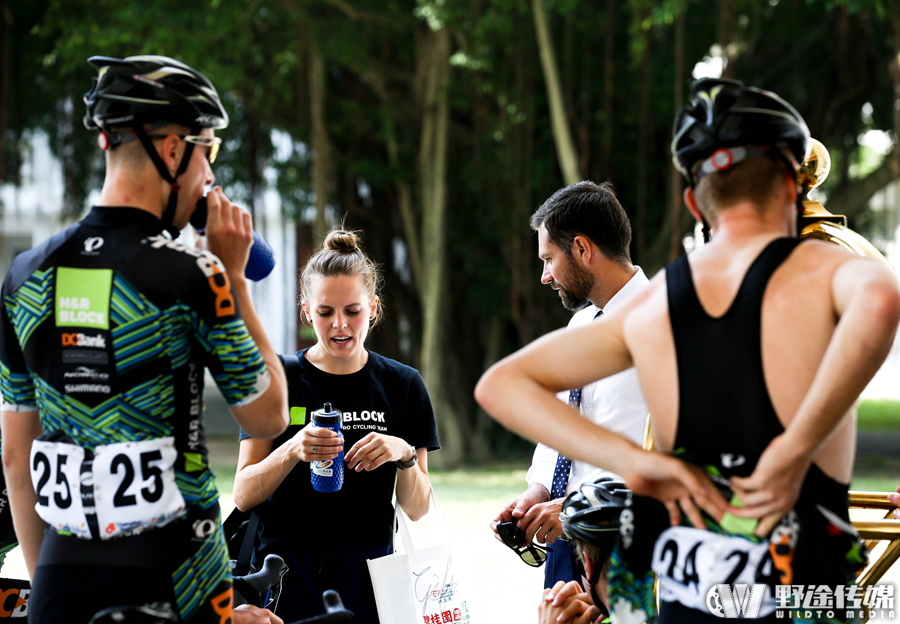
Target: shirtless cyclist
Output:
[(751, 353)]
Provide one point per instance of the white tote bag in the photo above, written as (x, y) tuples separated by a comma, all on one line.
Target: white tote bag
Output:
[(420, 585)]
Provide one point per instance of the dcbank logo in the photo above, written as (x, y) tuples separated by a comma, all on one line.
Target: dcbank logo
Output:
[(734, 601)]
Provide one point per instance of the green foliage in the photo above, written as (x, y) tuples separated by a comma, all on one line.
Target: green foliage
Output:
[(828, 57), (878, 415)]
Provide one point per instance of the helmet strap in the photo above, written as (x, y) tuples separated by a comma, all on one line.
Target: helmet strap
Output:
[(595, 577), (776, 153), (168, 215)]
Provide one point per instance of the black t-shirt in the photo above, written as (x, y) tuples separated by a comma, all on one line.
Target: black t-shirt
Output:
[(384, 396)]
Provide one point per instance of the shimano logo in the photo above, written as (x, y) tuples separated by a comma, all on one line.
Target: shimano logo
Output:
[(83, 340), (732, 460), (83, 372), (92, 244), (87, 389)]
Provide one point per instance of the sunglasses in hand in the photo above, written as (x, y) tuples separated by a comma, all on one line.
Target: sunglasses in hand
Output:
[(514, 537)]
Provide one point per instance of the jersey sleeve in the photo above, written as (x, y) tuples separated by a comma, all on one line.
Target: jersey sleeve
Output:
[(16, 383), (420, 413), (233, 359)]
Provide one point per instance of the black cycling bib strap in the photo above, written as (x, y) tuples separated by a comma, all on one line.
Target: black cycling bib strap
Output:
[(243, 561), (292, 370)]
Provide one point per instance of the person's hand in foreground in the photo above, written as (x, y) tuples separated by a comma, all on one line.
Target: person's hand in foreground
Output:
[(895, 500), (248, 614), (566, 603)]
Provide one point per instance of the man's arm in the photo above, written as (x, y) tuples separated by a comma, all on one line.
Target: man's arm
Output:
[(229, 235), (866, 300), (19, 429)]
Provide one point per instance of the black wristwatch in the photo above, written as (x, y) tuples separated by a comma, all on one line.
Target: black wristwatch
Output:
[(403, 465)]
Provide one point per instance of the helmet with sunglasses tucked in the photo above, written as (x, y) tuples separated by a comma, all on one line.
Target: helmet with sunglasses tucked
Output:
[(591, 513), (726, 114), (147, 89)]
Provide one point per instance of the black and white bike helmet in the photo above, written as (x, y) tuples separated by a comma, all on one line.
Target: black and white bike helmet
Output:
[(591, 513), (140, 91), (146, 89), (725, 114)]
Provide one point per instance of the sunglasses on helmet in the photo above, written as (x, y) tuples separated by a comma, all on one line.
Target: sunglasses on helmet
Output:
[(212, 143)]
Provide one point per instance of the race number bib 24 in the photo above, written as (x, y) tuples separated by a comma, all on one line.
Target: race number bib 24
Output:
[(127, 486), (688, 562)]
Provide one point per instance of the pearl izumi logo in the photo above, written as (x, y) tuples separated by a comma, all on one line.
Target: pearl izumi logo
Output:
[(732, 460), (91, 245)]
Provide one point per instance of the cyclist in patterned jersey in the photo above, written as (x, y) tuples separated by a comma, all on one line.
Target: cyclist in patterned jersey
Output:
[(751, 352), (106, 330)]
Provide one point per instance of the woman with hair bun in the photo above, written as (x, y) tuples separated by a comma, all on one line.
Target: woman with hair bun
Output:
[(388, 428)]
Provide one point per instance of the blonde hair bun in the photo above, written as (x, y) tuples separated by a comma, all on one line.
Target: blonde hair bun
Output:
[(342, 241)]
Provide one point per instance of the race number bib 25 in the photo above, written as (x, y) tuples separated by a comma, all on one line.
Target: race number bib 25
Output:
[(127, 486), (688, 562)]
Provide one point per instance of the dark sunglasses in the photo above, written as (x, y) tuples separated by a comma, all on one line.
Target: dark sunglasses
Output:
[(514, 537)]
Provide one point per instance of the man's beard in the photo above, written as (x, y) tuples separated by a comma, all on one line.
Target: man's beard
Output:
[(579, 284)]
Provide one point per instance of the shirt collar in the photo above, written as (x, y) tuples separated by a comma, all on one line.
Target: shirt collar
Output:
[(633, 285), (117, 216)]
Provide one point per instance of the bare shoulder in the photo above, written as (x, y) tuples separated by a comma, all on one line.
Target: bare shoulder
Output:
[(825, 257), (648, 305)]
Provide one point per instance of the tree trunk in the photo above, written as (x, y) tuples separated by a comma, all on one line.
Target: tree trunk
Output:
[(320, 143), (562, 135), (676, 183), (4, 76), (727, 29), (433, 77), (851, 198), (645, 140), (609, 69)]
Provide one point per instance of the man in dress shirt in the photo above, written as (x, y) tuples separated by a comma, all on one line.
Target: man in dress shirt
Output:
[(583, 240)]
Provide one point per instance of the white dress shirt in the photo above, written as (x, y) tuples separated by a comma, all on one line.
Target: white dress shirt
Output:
[(615, 403)]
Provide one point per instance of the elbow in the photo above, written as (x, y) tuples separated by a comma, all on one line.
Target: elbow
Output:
[(487, 389), (883, 303), (419, 511), (265, 421), (241, 499), (242, 504)]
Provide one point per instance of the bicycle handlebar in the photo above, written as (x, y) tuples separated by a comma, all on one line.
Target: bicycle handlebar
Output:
[(335, 613), (252, 587)]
